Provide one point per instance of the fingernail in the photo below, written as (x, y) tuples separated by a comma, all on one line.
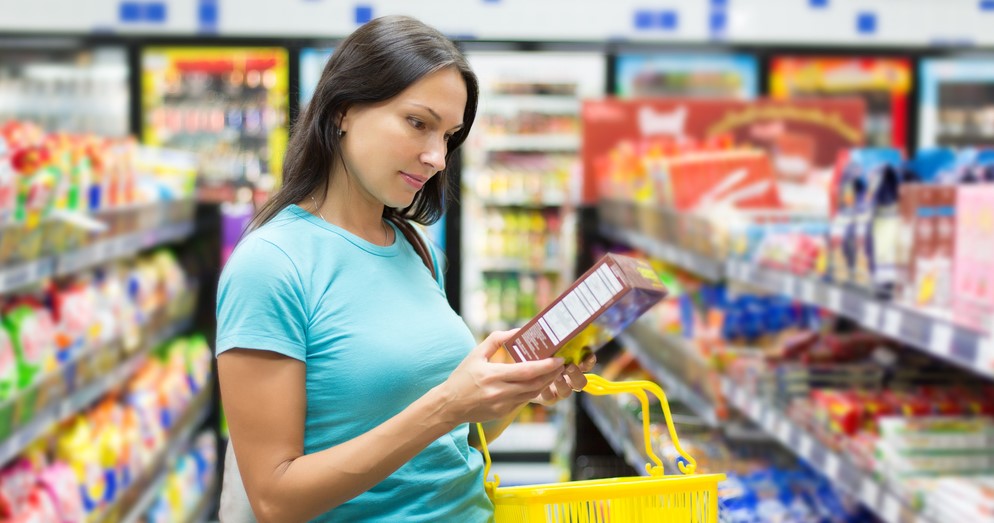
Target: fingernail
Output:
[(559, 361)]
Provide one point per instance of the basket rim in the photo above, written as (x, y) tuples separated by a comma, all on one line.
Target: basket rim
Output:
[(622, 487)]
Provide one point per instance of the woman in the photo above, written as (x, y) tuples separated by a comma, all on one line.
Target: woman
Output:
[(347, 380)]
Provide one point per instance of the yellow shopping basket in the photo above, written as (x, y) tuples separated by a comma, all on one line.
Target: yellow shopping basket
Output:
[(655, 498)]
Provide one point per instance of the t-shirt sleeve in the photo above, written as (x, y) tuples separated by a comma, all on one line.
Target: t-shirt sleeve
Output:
[(437, 262), (260, 301)]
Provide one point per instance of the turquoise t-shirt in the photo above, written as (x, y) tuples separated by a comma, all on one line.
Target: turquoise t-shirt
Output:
[(376, 333)]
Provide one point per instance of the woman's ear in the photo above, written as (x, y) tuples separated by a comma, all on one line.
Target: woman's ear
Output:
[(343, 122)]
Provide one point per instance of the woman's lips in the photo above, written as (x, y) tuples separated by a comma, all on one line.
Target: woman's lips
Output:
[(413, 180)]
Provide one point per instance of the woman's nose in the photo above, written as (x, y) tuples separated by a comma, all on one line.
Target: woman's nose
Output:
[(434, 154)]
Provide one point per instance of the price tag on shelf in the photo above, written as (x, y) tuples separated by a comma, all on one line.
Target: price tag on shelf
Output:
[(742, 272), (891, 509), (892, 322), (832, 466), (768, 420), (783, 431), (787, 285), (985, 355), (869, 492), (7, 450), (755, 410), (871, 315), (18, 276), (808, 292), (805, 446), (740, 398), (22, 439), (941, 338), (835, 299)]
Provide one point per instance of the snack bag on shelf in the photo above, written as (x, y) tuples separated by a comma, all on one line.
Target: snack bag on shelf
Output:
[(9, 371), (57, 481), (973, 272), (32, 333), (933, 249)]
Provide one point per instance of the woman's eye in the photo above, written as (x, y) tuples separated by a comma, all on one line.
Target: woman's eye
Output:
[(448, 137), (417, 124)]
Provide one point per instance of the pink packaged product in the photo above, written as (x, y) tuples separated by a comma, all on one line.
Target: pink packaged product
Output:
[(599, 305), (973, 276)]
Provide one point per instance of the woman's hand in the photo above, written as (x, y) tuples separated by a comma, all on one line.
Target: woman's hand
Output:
[(569, 381), (481, 390)]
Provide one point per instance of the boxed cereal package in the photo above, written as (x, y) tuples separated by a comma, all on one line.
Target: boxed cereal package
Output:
[(599, 305)]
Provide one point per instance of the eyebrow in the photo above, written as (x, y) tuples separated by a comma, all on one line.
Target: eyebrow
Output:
[(435, 115)]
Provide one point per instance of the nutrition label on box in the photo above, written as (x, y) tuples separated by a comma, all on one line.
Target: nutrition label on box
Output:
[(580, 304)]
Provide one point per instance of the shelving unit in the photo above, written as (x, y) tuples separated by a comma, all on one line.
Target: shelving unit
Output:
[(517, 179), (608, 421), (139, 497), (648, 347), (877, 495), (937, 336), (86, 394), (97, 370), (933, 335), (24, 274)]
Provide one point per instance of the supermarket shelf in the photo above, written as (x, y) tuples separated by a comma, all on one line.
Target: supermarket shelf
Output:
[(85, 396), (876, 495), (623, 446), (135, 502), (526, 438), (513, 104), (701, 265), (643, 340), (515, 265), (24, 274), (521, 202), (532, 142), (121, 247), (936, 336), (28, 273)]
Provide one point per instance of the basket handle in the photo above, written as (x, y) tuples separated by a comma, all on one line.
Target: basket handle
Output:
[(599, 386)]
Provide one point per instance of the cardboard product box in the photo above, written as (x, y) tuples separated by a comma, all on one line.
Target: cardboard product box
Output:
[(973, 272), (599, 305), (907, 209)]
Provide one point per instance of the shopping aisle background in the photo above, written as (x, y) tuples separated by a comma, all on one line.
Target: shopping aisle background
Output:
[(809, 177)]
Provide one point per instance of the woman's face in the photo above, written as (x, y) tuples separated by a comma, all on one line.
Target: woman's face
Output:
[(391, 149)]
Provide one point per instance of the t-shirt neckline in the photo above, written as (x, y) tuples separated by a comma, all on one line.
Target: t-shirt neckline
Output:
[(358, 241)]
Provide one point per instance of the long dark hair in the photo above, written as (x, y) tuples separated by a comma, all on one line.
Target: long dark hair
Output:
[(375, 63)]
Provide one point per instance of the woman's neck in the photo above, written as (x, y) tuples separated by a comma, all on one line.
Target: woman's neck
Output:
[(347, 208)]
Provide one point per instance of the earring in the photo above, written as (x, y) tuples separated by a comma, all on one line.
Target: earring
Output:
[(339, 132)]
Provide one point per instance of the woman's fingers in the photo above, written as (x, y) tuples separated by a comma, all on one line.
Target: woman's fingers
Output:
[(574, 376), (588, 363)]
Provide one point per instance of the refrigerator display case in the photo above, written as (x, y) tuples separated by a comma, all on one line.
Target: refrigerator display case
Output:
[(228, 105), (520, 182), (66, 88), (957, 102), (884, 84), (686, 76), (312, 62)]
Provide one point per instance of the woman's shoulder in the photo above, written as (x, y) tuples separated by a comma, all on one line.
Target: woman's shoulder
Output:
[(270, 245)]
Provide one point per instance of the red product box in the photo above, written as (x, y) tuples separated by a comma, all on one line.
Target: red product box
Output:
[(601, 303)]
